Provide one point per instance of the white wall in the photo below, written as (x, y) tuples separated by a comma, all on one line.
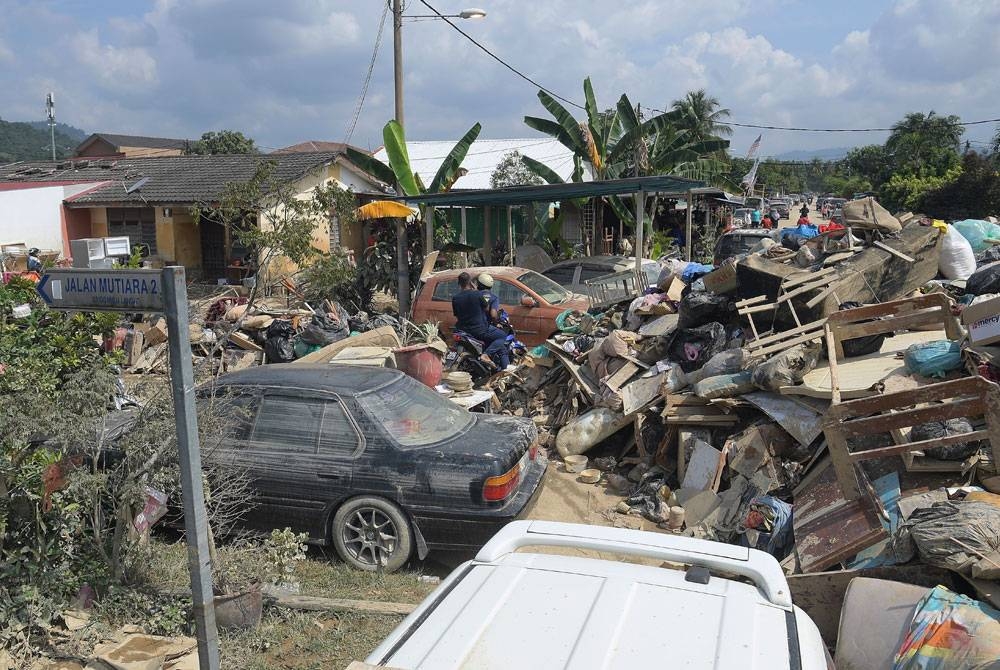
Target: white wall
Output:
[(34, 215)]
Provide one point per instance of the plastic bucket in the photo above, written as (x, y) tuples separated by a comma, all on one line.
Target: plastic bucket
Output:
[(421, 362)]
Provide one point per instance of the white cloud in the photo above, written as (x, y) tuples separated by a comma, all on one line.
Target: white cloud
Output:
[(6, 55), (117, 68)]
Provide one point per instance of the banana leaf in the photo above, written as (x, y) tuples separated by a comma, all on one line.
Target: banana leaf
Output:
[(447, 174), (399, 159), (542, 170), (566, 121), (371, 165), (593, 116), (550, 127)]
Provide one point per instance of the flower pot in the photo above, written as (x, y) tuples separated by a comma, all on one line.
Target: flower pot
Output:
[(422, 362), (238, 610)]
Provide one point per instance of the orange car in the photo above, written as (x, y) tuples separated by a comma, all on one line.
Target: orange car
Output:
[(532, 301)]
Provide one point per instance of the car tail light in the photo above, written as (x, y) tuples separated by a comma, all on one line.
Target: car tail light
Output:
[(500, 488), (533, 451)]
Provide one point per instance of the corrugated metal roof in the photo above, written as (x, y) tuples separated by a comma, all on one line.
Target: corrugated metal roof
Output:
[(520, 195), (483, 157)]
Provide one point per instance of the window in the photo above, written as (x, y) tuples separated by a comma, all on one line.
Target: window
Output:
[(228, 409), (594, 271), (414, 415), (508, 294), (138, 223), (550, 291), (444, 290), (288, 424), (561, 275), (337, 436)]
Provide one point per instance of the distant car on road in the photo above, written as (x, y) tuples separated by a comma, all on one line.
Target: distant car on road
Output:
[(532, 301), (837, 216), (741, 217), (740, 241), (573, 274), (371, 462)]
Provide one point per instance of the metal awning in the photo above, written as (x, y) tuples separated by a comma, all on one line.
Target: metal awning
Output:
[(521, 195)]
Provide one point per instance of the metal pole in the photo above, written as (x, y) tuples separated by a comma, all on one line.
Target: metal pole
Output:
[(52, 133), (189, 449), (640, 226), (397, 56), (487, 235), (688, 213), (510, 233), (402, 268), (464, 235)]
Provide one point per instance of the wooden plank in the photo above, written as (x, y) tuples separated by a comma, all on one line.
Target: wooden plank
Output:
[(912, 417), (888, 324), (820, 283), (906, 305), (757, 310), (821, 296), (316, 604), (751, 301), (918, 446), (718, 420), (969, 386), (781, 346), (245, 343), (778, 337), (805, 277), (385, 336), (899, 254), (622, 376), (641, 393)]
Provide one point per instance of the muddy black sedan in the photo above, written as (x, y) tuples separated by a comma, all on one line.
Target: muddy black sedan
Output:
[(371, 461)]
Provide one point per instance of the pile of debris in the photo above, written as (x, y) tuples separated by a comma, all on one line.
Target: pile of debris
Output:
[(822, 404)]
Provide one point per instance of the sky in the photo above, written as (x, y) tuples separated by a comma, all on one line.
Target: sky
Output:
[(289, 71)]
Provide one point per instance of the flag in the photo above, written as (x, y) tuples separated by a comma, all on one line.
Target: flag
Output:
[(751, 177), (753, 147)]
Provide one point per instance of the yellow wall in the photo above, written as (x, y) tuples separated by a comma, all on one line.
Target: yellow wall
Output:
[(187, 239), (98, 222), (164, 236)]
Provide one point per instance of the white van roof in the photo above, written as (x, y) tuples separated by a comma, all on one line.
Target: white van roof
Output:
[(527, 610)]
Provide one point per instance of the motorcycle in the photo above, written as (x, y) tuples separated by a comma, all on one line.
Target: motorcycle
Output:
[(467, 352)]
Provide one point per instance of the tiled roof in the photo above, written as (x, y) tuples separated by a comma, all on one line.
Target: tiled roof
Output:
[(315, 145), (170, 179), (139, 141)]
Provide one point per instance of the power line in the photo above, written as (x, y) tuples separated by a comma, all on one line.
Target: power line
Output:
[(847, 130), (368, 77), (498, 59)]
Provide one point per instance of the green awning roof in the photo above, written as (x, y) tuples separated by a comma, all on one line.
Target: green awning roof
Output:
[(521, 195)]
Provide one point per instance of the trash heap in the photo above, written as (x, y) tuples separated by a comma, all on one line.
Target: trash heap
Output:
[(822, 403)]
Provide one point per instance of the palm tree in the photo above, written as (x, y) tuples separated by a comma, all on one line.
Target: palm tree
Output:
[(702, 116)]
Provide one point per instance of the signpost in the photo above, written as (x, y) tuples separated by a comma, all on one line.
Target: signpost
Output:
[(158, 291)]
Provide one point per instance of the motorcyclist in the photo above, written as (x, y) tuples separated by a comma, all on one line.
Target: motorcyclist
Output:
[(475, 308), (804, 212), (34, 262)]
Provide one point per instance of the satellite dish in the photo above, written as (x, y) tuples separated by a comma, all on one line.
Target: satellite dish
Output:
[(136, 186)]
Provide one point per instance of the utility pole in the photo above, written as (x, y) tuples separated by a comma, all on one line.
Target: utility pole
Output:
[(50, 111), (397, 56)]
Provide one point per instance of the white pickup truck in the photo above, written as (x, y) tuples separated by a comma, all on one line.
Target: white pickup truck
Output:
[(730, 608)]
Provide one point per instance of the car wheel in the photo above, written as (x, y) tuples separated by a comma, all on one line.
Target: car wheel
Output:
[(372, 534)]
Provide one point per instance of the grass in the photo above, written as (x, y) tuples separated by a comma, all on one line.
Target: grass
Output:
[(288, 639)]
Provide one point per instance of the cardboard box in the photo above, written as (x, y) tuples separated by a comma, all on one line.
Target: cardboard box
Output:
[(983, 321), (722, 279)]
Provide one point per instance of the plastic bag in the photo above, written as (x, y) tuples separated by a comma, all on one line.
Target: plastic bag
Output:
[(788, 367), (977, 232), (568, 321), (935, 430), (860, 346), (950, 631), (984, 280), (991, 255), (325, 330), (933, 531), (278, 347), (694, 271), (725, 362), (697, 309), (957, 259), (587, 430), (768, 526), (933, 359), (724, 386), (693, 347)]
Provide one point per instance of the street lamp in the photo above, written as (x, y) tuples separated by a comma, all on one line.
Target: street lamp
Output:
[(397, 44)]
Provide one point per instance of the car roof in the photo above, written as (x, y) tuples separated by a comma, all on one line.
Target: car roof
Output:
[(349, 379), (495, 270), (610, 261), (748, 232)]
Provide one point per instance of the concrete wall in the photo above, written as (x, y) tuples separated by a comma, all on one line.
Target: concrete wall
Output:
[(187, 238), (98, 222), (35, 216)]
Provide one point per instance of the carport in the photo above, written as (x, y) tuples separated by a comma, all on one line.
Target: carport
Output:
[(639, 188)]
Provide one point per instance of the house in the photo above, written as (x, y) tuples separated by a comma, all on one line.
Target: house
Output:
[(480, 162), (315, 145), (107, 145), (150, 200)]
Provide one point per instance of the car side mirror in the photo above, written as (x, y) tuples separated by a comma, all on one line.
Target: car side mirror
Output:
[(528, 301)]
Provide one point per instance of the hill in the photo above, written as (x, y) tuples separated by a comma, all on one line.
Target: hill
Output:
[(20, 141), (69, 131), (832, 154)]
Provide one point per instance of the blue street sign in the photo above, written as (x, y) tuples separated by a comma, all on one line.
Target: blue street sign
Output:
[(103, 290)]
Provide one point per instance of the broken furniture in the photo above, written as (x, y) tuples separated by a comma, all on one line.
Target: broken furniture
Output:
[(890, 413), (614, 288), (874, 620)]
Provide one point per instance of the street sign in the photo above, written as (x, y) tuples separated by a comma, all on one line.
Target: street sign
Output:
[(103, 290)]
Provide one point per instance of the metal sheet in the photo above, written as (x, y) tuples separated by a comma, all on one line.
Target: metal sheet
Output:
[(801, 423)]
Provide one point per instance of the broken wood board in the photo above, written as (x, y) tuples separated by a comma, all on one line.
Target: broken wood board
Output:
[(858, 376), (641, 393), (150, 358), (659, 326), (702, 472), (622, 376), (829, 529), (802, 423), (244, 342), (384, 336)]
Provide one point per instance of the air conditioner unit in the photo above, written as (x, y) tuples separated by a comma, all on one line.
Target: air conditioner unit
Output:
[(87, 252), (117, 246)]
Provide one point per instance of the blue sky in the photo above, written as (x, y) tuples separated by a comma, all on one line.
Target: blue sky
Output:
[(289, 71)]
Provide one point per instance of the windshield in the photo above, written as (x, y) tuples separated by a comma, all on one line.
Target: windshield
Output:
[(413, 414), (652, 272), (547, 290)]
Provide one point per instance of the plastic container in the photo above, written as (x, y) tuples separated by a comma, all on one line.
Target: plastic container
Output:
[(575, 463), (422, 362), (239, 610)]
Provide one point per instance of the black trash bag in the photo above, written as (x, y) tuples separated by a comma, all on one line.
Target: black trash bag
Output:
[(278, 348), (935, 430), (583, 343), (991, 255), (325, 330), (986, 279), (700, 307), (786, 368), (692, 347), (793, 241), (860, 346)]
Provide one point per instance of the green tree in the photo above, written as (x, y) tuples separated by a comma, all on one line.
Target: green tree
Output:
[(924, 145), (702, 116), (870, 162), (973, 194), (513, 171), (224, 142)]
